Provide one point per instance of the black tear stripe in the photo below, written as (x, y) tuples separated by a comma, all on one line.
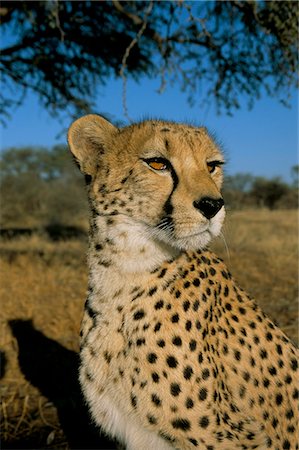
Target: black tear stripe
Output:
[(168, 208)]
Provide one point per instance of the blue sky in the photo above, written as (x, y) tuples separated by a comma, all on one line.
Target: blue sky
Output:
[(262, 141)]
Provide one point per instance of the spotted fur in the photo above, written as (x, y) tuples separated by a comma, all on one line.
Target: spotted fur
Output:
[(174, 355)]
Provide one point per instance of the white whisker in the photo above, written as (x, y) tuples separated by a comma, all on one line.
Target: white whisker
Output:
[(225, 245)]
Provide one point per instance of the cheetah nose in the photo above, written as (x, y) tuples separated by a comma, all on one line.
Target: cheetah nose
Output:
[(209, 207)]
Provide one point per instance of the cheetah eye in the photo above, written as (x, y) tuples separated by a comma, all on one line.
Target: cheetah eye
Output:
[(158, 164), (212, 165)]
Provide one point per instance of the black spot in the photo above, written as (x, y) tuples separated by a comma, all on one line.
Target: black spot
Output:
[(279, 349), (177, 341), (193, 441), (140, 342), (172, 361), (152, 420), (192, 345), (294, 364), (279, 399), (256, 340), (289, 414), (295, 394), (237, 355), (195, 305), (175, 389), (264, 354), (228, 306), (212, 271), (204, 422), (139, 314), (162, 273), (196, 282), (272, 370), (182, 424), (134, 400), (152, 358), (188, 371), (226, 291), (107, 357), (186, 305), (242, 391), (157, 326), (175, 318), (269, 337), (155, 377), (159, 304), (178, 294), (139, 294), (202, 394), (167, 437), (205, 374), (161, 343), (188, 325), (246, 376), (152, 291), (189, 403), (186, 284), (200, 358), (225, 349), (156, 400), (286, 445)]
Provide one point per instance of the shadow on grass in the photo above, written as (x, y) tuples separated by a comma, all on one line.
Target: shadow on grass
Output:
[(53, 369), (3, 362)]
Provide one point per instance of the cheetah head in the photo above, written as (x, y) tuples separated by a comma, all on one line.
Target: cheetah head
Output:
[(162, 177)]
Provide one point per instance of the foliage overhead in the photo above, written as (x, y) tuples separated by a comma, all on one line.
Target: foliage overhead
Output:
[(65, 50)]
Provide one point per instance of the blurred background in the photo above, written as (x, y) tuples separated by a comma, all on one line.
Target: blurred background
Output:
[(228, 65)]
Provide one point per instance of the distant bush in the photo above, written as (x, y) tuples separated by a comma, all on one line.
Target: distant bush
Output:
[(246, 191), (40, 187)]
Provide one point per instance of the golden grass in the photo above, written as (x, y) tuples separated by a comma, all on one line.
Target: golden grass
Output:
[(46, 282)]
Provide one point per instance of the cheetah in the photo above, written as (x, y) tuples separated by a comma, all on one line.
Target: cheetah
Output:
[(174, 354)]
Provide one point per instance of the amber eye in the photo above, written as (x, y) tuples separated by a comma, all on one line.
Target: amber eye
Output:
[(157, 163), (212, 165)]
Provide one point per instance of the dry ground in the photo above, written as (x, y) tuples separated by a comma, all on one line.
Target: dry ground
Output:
[(42, 294)]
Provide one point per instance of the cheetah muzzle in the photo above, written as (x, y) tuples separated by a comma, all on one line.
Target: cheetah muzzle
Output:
[(174, 355)]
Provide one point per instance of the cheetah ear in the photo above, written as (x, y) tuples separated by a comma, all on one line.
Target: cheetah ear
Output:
[(88, 137)]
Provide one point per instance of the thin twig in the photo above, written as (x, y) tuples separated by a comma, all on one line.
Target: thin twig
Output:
[(25, 404), (43, 417), (57, 19)]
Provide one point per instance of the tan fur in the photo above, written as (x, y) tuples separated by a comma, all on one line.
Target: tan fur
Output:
[(174, 355)]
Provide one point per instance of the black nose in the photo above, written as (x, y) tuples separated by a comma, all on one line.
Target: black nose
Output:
[(209, 207)]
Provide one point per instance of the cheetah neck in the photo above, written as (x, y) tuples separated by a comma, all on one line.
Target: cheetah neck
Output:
[(123, 248)]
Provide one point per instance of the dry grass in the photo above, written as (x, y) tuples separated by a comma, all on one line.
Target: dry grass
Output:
[(45, 282)]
